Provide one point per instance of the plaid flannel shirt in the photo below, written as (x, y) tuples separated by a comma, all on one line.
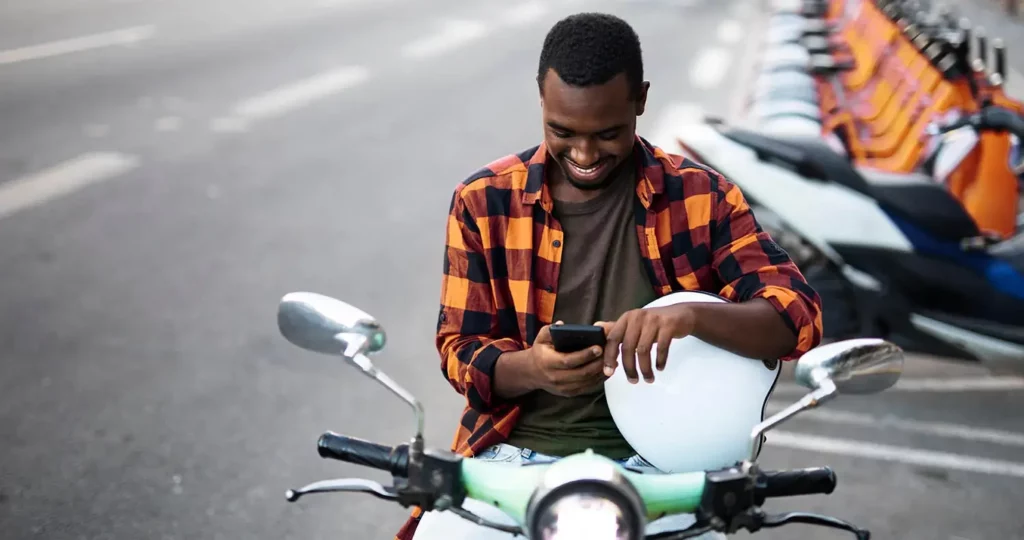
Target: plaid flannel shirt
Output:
[(504, 246)]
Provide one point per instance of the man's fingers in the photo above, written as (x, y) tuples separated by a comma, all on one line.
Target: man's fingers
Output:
[(579, 358), (648, 338), (629, 342), (613, 340), (544, 335), (664, 340)]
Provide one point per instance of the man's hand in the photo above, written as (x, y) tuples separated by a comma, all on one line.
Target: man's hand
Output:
[(638, 331), (565, 374)]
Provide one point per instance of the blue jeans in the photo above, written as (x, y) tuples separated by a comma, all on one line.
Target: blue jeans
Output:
[(512, 454), (448, 526)]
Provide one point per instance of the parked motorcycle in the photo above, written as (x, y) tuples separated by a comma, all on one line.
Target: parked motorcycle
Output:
[(584, 495), (892, 254)]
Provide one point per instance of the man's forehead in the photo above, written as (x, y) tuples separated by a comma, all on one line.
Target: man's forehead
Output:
[(594, 105), (615, 90)]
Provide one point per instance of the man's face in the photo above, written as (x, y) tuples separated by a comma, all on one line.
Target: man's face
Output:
[(590, 131)]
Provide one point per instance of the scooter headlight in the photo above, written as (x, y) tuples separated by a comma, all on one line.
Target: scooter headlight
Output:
[(584, 513), (585, 496)]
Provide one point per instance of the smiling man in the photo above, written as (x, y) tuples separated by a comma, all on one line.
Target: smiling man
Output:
[(589, 227)]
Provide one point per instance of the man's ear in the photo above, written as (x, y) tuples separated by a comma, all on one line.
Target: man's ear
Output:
[(641, 100)]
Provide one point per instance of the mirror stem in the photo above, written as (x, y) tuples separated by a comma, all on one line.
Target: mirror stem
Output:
[(404, 394), (825, 392)]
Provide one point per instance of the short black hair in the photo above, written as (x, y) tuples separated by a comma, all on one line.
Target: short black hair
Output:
[(588, 49)]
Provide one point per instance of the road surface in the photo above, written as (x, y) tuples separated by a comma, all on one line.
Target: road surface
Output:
[(168, 170)]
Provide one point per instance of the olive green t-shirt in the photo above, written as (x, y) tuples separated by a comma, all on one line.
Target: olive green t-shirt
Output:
[(601, 277)]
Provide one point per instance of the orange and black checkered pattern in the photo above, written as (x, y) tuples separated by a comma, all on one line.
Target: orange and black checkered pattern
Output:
[(504, 246)]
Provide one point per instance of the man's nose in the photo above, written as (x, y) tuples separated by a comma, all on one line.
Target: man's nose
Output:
[(585, 154)]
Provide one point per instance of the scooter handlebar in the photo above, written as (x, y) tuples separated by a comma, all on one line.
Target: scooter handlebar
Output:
[(811, 481), (360, 452)]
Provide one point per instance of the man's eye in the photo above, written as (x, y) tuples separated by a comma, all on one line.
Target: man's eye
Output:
[(608, 135), (561, 134)]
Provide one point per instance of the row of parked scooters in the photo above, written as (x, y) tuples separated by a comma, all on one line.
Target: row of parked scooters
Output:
[(881, 149)]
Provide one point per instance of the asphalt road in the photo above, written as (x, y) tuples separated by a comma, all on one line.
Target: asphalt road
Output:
[(238, 150)]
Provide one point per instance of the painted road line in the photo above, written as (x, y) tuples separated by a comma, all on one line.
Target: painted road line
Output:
[(898, 454), (454, 34), (299, 94), (62, 179), (947, 385), (125, 36), (524, 14), (669, 123), (709, 67), (938, 429)]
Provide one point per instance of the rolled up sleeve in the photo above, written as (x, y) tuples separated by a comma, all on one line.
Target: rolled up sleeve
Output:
[(752, 265), (468, 319)]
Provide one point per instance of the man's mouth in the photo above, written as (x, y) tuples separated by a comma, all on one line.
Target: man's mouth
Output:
[(587, 174)]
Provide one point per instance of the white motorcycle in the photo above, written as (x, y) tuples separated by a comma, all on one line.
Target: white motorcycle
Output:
[(584, 495), (892, 255)]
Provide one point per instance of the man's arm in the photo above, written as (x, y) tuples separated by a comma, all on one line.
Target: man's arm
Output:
[(775, 313), (468, 317)]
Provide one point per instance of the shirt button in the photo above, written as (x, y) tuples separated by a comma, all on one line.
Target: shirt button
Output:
[(557, 243), (549, 289)]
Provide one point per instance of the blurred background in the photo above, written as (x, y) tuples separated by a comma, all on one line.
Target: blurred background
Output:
[(170, 169)]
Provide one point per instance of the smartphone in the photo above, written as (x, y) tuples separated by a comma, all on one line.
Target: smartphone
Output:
[(568, 338)]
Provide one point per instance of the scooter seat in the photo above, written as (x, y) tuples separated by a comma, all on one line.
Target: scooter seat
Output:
[(924, 203)]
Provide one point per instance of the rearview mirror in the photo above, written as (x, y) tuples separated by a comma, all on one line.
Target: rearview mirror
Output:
[(852, 366), (855, 366), (325, 325)]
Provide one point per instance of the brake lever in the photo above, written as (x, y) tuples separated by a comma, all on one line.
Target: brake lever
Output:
[(815, 519), (470, 516), (692, 531), (356, 485)]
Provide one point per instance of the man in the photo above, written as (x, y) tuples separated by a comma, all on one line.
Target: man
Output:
[(588, 227)]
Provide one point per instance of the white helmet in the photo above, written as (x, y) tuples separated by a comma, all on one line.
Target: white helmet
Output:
[(698, 414)]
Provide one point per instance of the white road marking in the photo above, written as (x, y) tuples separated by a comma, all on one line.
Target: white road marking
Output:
[(730, 31), (899, 454), (454, 33), (227, 124), (299, 94), (525, 13), (62, 179), (667, 126), (168, 123), (938, 429), (947, 385), (125, 36), (710, 67)]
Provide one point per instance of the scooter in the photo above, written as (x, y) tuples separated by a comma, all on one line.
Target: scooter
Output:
[(584, 495), (892, 255)]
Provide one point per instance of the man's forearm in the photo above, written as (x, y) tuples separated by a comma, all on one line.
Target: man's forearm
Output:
[(753, 328), (513, 374)]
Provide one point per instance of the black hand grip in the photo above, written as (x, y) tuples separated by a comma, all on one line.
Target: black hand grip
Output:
[(349, 449), (817, 480)]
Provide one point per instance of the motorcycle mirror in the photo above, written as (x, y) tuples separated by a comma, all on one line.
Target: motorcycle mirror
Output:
[(855, 366), (852, 366), (326, 325)]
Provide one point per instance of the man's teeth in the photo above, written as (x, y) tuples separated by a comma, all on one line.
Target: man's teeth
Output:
[(585, 171)]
